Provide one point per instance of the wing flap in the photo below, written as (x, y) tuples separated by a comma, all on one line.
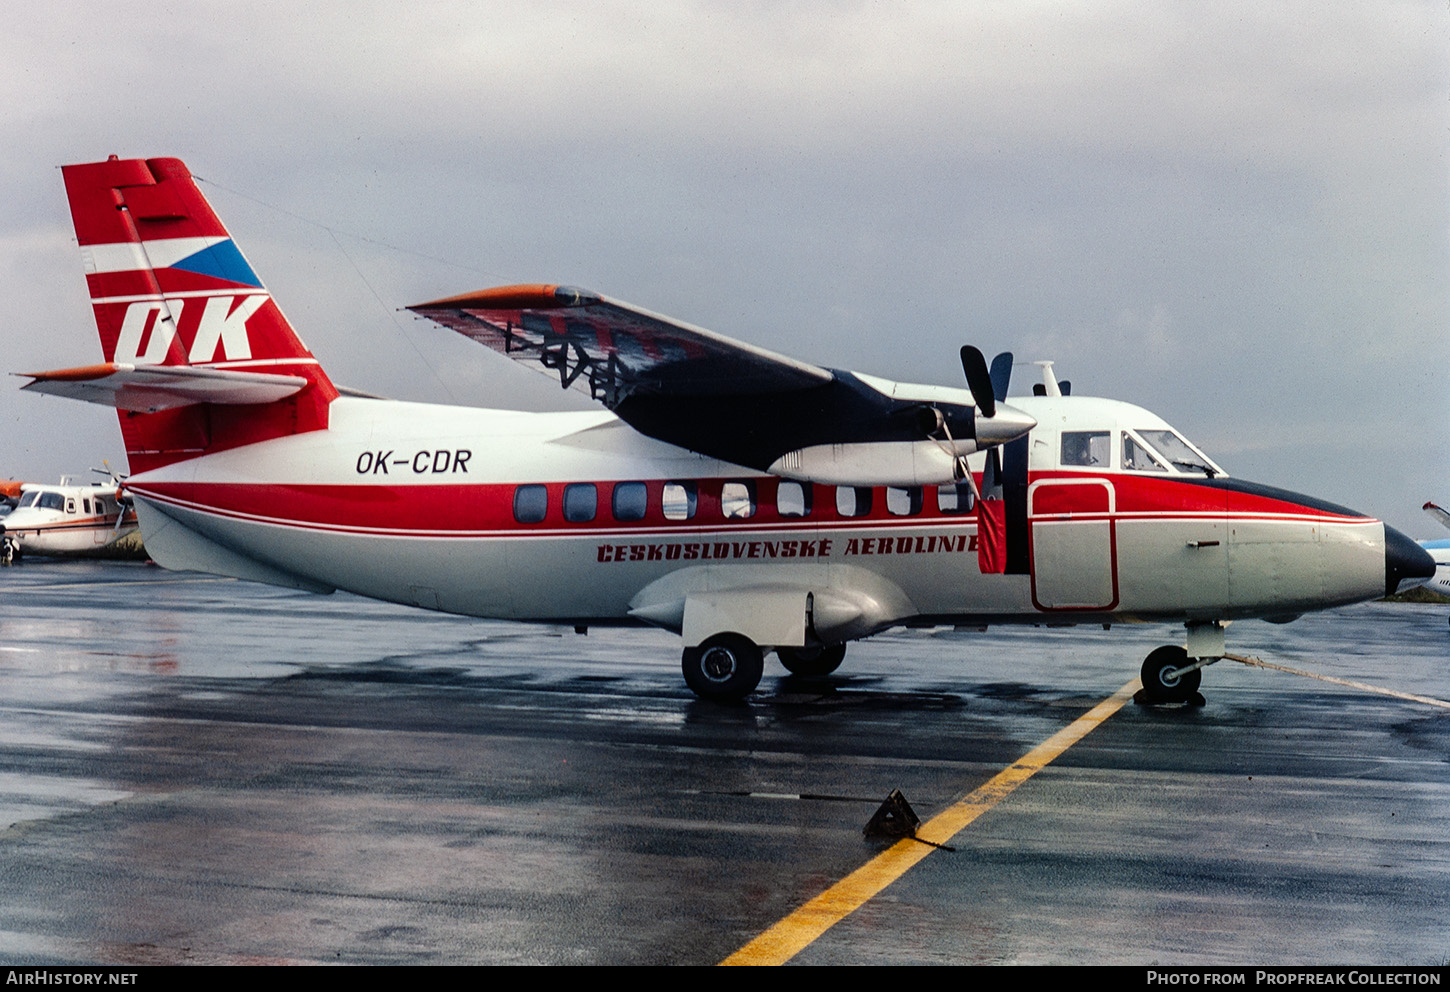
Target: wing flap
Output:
[(614, 349), (148, 388)]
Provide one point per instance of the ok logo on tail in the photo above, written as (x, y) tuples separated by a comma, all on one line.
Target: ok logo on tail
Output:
[(154, 324)]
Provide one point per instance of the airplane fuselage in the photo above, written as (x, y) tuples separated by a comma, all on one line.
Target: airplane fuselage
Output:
[(577, 518)]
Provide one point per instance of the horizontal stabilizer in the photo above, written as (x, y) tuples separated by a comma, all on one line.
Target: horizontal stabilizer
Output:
[(148, 388)]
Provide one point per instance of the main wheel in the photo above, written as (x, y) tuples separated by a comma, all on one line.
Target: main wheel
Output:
[(822, 659), (725, 667), (1160, 687)]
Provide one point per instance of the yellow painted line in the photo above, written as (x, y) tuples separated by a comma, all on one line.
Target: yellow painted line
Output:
[(797, 931), (1260, 663)]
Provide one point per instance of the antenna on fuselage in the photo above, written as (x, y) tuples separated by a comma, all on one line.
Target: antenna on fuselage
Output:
[(1049, 386)]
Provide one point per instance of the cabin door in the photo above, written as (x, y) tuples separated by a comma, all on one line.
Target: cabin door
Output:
[(1074, 544)]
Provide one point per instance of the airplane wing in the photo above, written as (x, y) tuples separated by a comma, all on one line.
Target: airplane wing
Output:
[(733, 401), (1438, 512), (613, 349)]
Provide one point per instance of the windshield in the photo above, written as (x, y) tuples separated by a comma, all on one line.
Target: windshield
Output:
[(1138, 457), (1179, 453), (29, 498)]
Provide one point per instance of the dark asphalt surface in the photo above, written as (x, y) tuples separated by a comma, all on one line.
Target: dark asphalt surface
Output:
[(199, 770)]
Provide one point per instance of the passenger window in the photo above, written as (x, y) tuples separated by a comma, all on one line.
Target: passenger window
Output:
[(1137, 457), (530, 504), (581, 502), (793, 500), (737, 500), (630, 501), (903, 502), (679, 500), (86, 502), (952, 500), (853, 501), (1086, 448)]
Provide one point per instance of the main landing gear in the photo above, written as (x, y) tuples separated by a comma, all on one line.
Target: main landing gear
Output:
[(821, 659), (1172, 674), (728, 667)]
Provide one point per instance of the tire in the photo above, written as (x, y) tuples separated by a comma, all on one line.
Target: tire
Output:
[(725, 668), (812, 661), (1161, 690)]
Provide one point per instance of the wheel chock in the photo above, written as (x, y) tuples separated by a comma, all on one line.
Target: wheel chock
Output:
[(895, 818)]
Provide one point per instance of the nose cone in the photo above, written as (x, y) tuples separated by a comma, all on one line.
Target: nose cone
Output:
[(1406, 563)]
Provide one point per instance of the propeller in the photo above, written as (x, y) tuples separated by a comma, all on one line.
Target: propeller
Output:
[(989, 387), (123, 503)]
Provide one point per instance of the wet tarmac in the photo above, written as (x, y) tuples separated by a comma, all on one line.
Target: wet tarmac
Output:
[(208, 771)]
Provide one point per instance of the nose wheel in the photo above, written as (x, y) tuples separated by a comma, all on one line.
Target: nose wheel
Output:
[(1164, 680)]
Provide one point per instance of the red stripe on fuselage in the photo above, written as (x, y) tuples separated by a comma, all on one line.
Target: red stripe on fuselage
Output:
[(487, 509)]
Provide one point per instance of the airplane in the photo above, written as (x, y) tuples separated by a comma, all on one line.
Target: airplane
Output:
[(68, 521), (746, 500), (1439, 551)]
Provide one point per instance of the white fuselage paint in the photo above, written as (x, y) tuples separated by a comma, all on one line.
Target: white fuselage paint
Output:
[(1115, 562)]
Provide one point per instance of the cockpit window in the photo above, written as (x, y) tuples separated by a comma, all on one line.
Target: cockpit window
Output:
[(1180, 454), (1137, 457), (29, 498), (1087, 448), (51, 501)]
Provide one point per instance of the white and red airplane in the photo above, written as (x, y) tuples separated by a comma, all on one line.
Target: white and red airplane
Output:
[(749, 501), (69, 521)]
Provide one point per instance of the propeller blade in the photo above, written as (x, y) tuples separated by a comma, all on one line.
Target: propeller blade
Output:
[(992, 475), (1001, 375), (121, 505), (979, 380)]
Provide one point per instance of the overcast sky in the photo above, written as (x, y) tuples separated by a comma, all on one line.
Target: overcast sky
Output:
[(1234, 214)]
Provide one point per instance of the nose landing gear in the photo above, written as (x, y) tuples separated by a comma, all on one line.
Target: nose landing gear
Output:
[(1165, 681), (1172, 674)]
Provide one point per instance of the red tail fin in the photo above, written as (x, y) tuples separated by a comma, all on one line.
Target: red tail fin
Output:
[(170, 288)]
